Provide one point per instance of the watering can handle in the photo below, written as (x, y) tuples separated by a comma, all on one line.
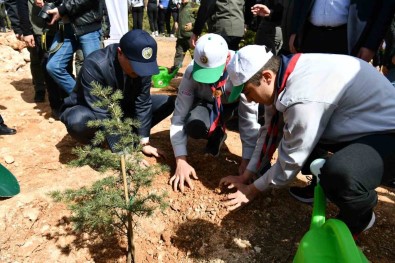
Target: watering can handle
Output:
[(315, 167), (319, 206)]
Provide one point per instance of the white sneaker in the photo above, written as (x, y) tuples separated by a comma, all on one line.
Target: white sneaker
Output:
[(156, 33), (152, 34), (172, 35), (371, 222)]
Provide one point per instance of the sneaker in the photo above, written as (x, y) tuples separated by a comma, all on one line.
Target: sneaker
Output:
[(369, 224), (152, 34), (156, 33), (215, 142), (304, 194), (39, 96), (172, 35)]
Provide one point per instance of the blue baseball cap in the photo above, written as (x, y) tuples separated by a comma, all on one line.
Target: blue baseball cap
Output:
[(141, 50)]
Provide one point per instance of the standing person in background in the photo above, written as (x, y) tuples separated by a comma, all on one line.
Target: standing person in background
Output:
[(152, 12), (137, 8), (81, 29), (172, 12), (105, 28), (269, 31), (162, 11), (389, 54), (184, 33), (12, 13), (286, 25), (359, 26), (3, 17), (223, 17), (32, 27)]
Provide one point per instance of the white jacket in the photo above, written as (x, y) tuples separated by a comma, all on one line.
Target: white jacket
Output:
[(327, 99), (188, 91)]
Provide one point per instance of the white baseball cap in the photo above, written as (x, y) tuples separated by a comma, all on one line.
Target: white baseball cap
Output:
[(245, 64), (209, 58)]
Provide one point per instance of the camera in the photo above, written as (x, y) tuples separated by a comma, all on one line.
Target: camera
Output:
[(48, 6)]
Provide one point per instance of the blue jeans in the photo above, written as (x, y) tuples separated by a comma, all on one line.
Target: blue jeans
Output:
[(58, 61)]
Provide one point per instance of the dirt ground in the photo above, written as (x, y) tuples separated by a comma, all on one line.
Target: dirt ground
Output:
[(195, 228)]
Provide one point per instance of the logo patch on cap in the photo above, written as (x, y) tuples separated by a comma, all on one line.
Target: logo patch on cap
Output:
[(204, 59), (147, 53)]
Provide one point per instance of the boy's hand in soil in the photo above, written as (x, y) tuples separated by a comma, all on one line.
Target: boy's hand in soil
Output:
[(244, 194), (182, 175), (245, 191)]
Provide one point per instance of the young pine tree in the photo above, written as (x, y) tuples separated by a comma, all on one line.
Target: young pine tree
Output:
[(111, 204)]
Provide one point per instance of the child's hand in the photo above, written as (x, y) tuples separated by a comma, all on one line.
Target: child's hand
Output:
[(243, 195)]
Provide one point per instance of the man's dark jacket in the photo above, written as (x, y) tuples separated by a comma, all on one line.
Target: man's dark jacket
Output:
[(102, 66), (85, 15)]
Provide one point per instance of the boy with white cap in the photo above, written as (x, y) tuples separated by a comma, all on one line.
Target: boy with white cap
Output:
[(336, 102), (202, 108)]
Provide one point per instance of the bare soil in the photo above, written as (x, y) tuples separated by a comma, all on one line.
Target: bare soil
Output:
[(195, 228)]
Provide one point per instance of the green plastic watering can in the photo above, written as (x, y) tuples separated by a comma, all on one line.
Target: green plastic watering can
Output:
[(163, 78), (9, 186), (327, 241)]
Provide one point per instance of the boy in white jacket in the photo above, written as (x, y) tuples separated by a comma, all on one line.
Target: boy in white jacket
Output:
[(335, 102), (202, 109)]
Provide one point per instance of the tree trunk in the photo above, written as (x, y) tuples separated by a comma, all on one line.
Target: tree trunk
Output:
[(131, 255)]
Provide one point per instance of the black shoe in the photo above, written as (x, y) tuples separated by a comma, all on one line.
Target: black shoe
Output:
[(215, 142), (304, 194), (366, 224), (4, 130), (39, 96), (360, 224)]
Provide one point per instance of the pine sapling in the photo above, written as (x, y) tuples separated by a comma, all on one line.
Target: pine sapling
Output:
[(110, 204)]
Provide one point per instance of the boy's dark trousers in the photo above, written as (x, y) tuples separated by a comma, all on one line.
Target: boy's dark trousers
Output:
[(351, 175), (197, 123)]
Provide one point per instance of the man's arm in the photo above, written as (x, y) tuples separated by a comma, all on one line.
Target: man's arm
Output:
[(206, 9), (143, 105), (377, 29), (25, 25)]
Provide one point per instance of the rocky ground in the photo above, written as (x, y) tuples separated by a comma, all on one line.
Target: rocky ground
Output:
[(195, 228)]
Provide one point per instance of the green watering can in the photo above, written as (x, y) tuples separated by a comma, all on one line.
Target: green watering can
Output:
[(163, 79), (327, 241), (9, 186)]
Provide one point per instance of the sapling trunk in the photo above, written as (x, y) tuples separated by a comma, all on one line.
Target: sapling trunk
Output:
[(130, 256)]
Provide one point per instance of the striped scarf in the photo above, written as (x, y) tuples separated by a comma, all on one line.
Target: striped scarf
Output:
[(218, 88), (271, 139)]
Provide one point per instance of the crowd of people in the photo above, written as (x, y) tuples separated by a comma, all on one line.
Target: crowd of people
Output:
[(307, 73)]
